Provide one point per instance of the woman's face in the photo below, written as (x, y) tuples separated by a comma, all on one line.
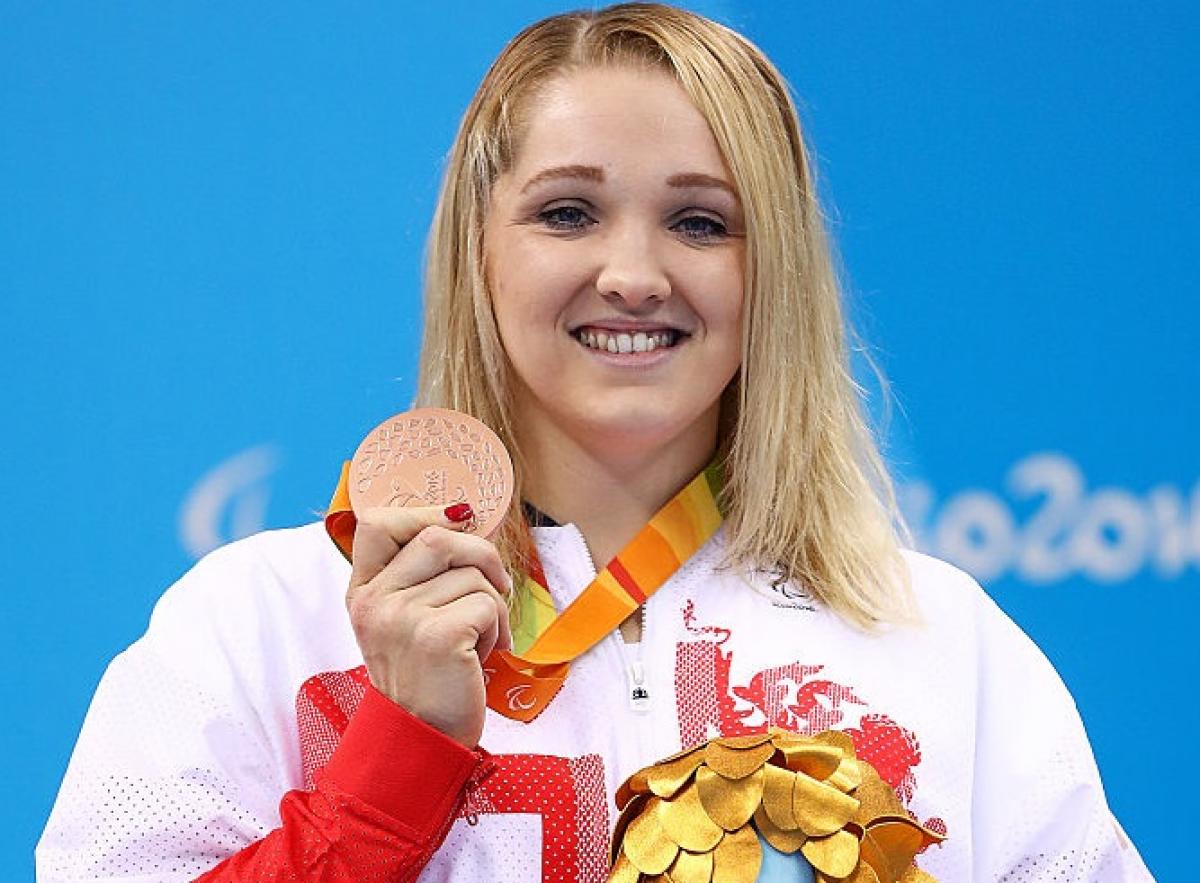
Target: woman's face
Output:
[(614, 256)]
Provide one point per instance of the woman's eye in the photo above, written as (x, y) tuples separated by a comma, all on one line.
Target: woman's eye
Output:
[(565, 217), (700, 228)]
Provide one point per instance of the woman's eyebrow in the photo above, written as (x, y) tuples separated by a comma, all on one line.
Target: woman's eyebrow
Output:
[(596, 174), (699, 179), (588, 173)]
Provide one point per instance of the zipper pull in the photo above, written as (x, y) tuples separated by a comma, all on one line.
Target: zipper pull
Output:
[(639, 695)]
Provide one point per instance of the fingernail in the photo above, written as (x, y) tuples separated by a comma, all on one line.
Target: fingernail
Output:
[(460, 512)]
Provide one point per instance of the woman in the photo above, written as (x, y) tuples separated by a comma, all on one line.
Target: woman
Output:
[(629, 281)]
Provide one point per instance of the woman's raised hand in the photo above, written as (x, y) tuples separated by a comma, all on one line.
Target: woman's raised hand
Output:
[(427, 604)]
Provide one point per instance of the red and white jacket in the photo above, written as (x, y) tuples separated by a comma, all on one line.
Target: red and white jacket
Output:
[(239, 739)]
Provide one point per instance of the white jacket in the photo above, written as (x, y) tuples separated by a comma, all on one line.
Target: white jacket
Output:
[(200, 727)]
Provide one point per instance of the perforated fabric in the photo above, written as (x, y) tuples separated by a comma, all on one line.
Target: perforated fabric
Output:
[(242, 688)]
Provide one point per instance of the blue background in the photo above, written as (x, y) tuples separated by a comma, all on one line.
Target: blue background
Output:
[(211, 225)]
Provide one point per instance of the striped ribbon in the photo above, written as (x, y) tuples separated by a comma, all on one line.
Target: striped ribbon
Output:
[(522, 683)]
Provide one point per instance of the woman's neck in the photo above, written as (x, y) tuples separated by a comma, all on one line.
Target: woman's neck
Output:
[(609, 490)]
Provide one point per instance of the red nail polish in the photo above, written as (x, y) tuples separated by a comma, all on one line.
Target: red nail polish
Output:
[(460, 512)]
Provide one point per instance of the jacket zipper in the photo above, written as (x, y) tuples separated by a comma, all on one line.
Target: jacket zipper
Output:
[(637, 687), (636, 683)]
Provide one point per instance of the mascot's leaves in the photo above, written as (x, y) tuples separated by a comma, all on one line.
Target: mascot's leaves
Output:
[(690, 867), (736, 763), (820, 809), (664, 779), (777, 796), (784, 841), (623, 871), (730, 802), (890, 844), (836, 855), (647, 844), (737, 858), (697, 816), (686, 822)]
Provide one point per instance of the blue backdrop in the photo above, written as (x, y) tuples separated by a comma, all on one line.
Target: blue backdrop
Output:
[(211, 223)]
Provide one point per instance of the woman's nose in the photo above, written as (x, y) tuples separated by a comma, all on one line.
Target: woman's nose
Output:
[(632, 271)]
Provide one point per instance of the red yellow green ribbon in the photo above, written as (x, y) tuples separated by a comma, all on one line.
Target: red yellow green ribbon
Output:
[(521, 683)]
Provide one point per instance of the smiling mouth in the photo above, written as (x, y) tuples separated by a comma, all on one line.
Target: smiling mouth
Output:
[(627, 342)]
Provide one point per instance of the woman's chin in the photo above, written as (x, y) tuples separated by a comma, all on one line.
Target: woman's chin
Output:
[(642, 427)]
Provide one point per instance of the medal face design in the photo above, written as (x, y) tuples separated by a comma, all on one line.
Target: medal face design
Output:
[(433, 457)]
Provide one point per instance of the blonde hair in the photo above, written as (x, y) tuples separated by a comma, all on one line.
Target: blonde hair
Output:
[(807, 496)]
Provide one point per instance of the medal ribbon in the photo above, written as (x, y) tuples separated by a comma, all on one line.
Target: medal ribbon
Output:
[(522, 683)]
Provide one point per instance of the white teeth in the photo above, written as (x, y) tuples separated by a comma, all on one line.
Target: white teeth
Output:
[(638, 342)]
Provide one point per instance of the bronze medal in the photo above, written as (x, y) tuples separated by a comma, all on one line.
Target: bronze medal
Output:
[(433, 457)]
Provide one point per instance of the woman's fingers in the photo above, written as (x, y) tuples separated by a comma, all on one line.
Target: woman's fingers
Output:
[(429, 601), (443, 590), (476, 615), (436, 550), (383, 531)]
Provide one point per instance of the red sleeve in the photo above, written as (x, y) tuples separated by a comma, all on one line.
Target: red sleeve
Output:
[(380, 809)]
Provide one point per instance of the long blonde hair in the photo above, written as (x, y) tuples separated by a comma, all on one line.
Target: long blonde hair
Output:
[(807, 496)]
